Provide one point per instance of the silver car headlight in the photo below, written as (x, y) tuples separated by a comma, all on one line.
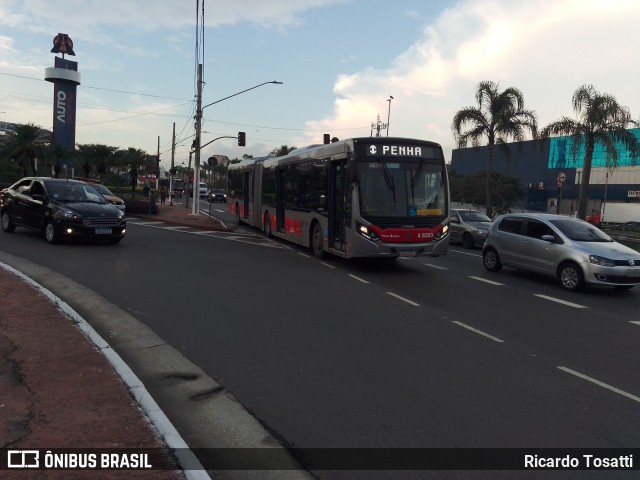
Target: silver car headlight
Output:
[(602, 261), (120, 214), (72, 215)]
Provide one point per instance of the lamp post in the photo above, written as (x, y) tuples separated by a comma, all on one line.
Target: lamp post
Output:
[(196, 144), (389, 113)]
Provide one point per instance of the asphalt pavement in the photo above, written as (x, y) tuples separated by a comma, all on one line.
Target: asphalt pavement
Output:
[(63, 387)]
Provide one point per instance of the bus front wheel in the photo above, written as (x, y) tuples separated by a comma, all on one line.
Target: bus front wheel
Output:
[(317, 241)]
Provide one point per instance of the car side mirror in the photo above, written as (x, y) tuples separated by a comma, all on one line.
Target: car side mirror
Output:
[(549, 238)]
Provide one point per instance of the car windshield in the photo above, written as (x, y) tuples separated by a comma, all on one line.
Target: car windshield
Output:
[(474, 216), (102, 189), (74, 192), (580, 231)]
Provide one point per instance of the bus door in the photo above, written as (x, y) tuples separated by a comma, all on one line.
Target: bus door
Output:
[(246, 186), (337, 199), (280, 200)]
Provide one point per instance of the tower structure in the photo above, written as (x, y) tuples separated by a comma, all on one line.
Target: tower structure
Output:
[(65, 78)]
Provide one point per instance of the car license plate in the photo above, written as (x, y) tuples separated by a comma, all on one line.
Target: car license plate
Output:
[(103, 231), (407, 253), (633, 273)]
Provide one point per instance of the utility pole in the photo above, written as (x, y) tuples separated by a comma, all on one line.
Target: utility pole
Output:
[(196, 173), (173, 156), (158, 166)]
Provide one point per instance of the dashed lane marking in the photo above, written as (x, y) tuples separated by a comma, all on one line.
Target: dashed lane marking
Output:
[(491, 282), (357, 278), (437, 267), (558, 300), (403, 299), (479, 332), (601, 384)]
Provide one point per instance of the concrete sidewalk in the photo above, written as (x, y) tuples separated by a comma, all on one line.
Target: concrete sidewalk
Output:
[(58, 390)]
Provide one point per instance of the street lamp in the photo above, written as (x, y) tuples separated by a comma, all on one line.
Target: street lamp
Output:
[(196, 143), (389, 113)]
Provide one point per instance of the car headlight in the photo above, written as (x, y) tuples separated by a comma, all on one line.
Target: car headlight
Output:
[(120, 214), (602, 261), (70, 214), (482, 231)]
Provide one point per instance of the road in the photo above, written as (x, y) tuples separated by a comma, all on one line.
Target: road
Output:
[(417, 353)]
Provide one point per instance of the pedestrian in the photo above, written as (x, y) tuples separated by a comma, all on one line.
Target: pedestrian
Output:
[(163, 195), (146, 190)]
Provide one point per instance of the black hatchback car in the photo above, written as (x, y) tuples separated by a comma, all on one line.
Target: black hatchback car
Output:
[(62, 209)]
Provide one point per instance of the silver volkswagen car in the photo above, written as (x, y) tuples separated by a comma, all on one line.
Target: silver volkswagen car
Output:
[(469, 227), (573, 251)]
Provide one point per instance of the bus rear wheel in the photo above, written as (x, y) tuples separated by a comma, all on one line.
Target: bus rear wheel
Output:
[(317, 241)]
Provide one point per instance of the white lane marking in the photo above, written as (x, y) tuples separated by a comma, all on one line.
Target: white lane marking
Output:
[(304, 254), (602, 384), (327, 265), (437, 267), (480, 279), (480, 332), (175, 227), (358, 278), (558, 300), (403, 299), (632, 321), (467, 253), (135, 222)]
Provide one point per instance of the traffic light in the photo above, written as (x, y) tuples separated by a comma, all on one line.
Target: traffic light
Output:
[(241, 139), (326, 138), (212, 161), (173, 171)]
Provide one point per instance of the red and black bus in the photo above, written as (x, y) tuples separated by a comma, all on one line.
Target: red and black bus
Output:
[(361, 197)]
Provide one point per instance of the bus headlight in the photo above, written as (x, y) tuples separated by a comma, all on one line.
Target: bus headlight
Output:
[(442, 233), (367, 232)]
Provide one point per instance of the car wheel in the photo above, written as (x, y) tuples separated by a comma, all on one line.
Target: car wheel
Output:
[(51, 233), (571, 277), (267, 225), (491, 260), (7, 224), (467, 240), (317, 241)]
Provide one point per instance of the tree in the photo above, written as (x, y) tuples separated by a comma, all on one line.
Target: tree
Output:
[(601, 119), (500, 116), (98, 155), (135, 160), (281, 151), (507, 190), (56, 152), (25, 144)]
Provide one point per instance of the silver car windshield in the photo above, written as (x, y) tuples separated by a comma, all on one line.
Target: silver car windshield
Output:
[(580, 231), (474, 216)]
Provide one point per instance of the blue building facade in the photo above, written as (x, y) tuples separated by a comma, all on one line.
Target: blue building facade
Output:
[(550, 173)]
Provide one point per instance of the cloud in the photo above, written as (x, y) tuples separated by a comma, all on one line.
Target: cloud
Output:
[(546, 48)]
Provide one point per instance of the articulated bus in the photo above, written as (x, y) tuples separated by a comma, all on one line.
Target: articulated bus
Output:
[(361, 197)]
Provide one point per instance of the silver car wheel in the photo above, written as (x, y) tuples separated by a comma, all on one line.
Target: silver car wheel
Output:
[(571, 277)]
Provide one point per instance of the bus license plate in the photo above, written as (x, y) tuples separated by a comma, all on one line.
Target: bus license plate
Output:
[(407, 253), (103, 231)]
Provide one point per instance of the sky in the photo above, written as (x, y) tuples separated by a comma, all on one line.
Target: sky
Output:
[(339, 61)]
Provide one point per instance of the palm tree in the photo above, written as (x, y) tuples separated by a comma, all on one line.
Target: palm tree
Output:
[(25, 144), (600, 119), (98, 155), (500, 116), (281, 151), (57, 152)]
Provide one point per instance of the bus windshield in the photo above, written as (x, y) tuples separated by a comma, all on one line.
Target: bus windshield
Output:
[(401, 188)]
